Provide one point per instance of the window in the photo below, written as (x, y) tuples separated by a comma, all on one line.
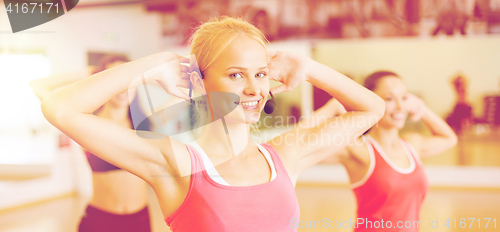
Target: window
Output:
[(23, 129)]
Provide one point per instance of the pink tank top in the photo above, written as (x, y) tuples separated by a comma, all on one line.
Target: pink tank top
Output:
[(390, 196), (210, 206)]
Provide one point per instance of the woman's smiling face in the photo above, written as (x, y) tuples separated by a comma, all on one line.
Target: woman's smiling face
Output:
[(394, 93), (242, 69)]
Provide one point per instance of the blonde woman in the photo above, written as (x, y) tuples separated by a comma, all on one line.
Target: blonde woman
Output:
[(222, 181)]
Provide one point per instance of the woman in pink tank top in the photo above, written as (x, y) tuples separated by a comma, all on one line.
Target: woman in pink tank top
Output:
[(386, 174), (223, 181)]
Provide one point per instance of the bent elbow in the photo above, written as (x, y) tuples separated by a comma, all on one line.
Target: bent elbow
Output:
[(453, 140), (48, 110), (36, 89), (52, 112), (379, 107)]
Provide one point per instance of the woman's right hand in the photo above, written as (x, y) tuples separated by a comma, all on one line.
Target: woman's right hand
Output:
[(287, 68), (171, 75), (416, 107)]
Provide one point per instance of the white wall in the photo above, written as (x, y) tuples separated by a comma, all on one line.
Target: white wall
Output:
[(66, 40), (59, 178)]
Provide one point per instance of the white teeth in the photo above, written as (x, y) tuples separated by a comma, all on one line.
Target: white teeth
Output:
[(249, 104), (398, 116)]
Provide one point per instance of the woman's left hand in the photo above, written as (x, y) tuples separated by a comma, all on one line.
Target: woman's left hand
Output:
[(416, 107), (287, 68)]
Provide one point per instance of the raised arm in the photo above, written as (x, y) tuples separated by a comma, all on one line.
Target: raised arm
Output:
[(331, 109), (70, 110), (304, 147), (44, 87), (442, 138)]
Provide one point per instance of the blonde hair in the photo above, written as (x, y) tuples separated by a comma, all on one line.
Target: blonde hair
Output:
[(208, 42), (212, 37)]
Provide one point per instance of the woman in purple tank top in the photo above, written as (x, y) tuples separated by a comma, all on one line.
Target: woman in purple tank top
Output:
[(222, 181), (119, 201)]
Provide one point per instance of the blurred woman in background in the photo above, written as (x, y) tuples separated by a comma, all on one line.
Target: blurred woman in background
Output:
[(119, 202), (384, 167)]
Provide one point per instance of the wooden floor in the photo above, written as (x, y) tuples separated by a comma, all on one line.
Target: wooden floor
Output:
[(339, 204), (316, 203)]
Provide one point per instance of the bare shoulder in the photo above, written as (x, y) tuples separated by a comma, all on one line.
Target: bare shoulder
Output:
[(171, 178), (414, 138), (287, 154), (357, 150), (175, 160)]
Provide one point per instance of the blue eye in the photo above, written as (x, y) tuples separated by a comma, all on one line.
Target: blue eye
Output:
[(236, 75), (261, 75)]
